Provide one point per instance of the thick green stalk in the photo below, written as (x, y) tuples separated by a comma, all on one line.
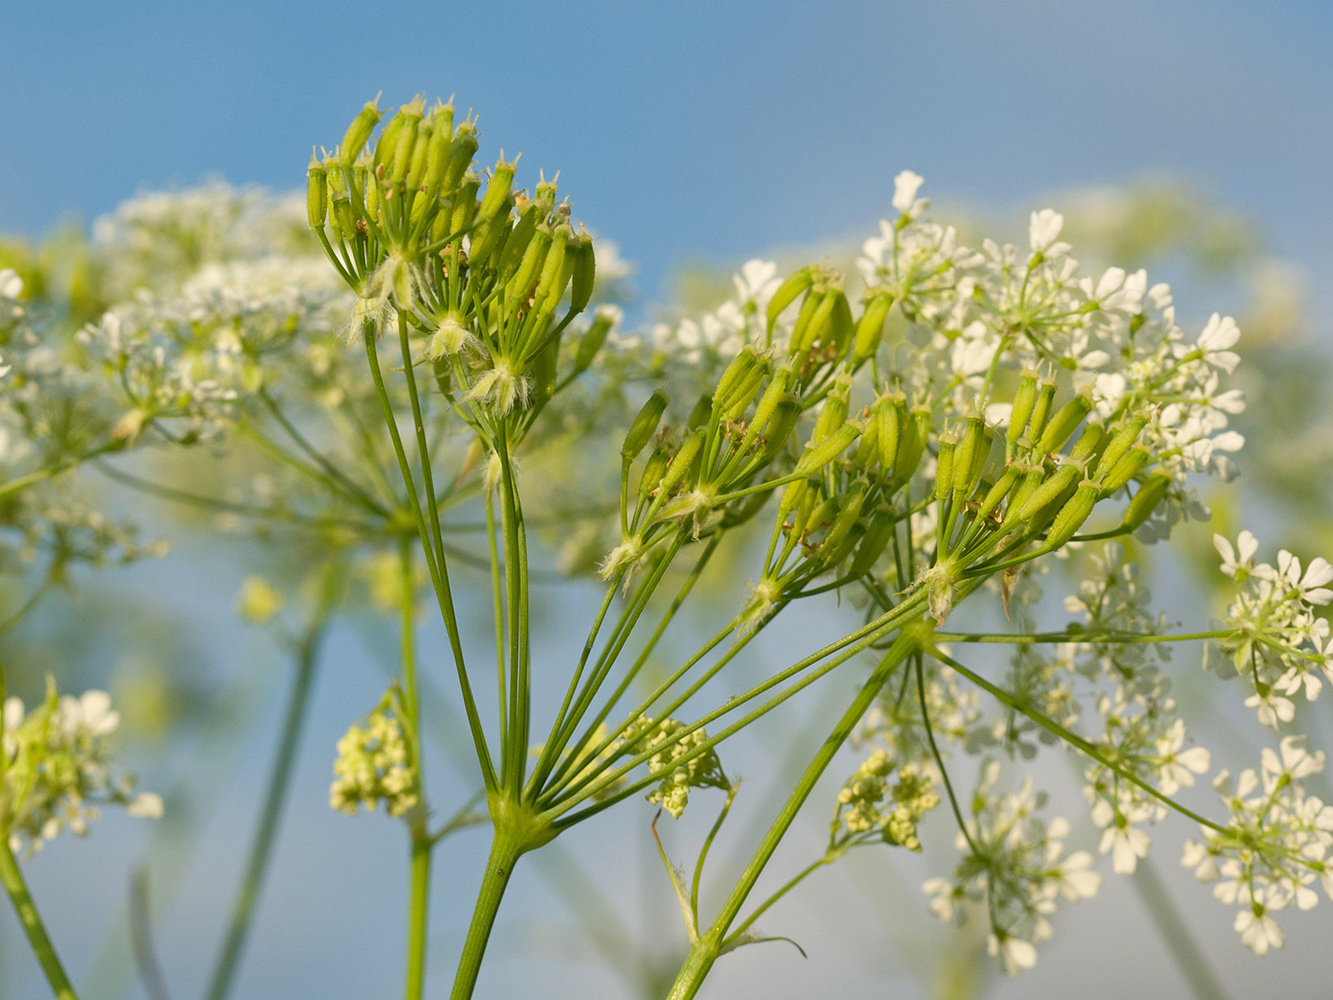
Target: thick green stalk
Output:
[(706, 950), (418, 909), (505, 852), (12, 879), (261, 847)]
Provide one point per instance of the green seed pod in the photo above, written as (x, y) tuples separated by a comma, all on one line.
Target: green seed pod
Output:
[(876, 539), (802, 338), (837, 544), (838, 333), (787, 293), (516, 246), (1121, 441), (737, 371), (817, 456), (980, 458), (870, 327), (1046, 493), (1024, 400), (462, 148), (944, 466), (388, 143), (821, 329), (374, 198), (681, 468), (792, 497), (1072, 515), (768, 402), (891, 416), (1023, 491), (998, 492), (354, 139), (406, 140), (701, 414), (498, 188), (584, 277), (1041, 409), (644, 426), (550, 286), (591, 342), (833, 414), (779, 429), (1063, 424), (1090, 442), (544, 376), (416, 172), (316, 194), (529, 270), (820, 514), (867, 449), (911, 444), (1146, 500), (341, 217), (1124, 470), (437, 150), (744, 394), (490, 236), (465, 203), (653, 470), (965, 458)]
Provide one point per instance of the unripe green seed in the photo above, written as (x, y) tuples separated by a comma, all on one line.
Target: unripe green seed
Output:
[(965, 459), (787, 293), (682, 465), (1121, 442), (911, 444), (1041, 409), (833, 414), (516, 246), (461, 150), (416, 172), (1024, 400), (1072, 515), (768, 402), (701, 414), (1062, 425), (1124, 470), (653, 470), (644, 426), (891, 416), (779, 429), (584, 276), (944, 466), (817, 456), (838, 542), (354, 139), (498, 188), (1146, 500), (1092, 439), (872, 545), (592, 341), (736, 372), (1047, 492), (316, 194), (997, 492), (870, 327)]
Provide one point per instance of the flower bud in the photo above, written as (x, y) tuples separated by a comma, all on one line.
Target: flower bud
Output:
[(870, 327), (1063, 424), (1120, 443), (817, 456), (643, 427), (944, 466), (872, 545), (316, 194), (1024, 400), (1072, 515), (1041, 409), (1146, 500), (1124, 470), (354, 139), (787, 293)]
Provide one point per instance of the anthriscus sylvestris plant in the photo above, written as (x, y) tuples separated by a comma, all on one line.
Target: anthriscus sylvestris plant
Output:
[(927, 442), (923, 437)]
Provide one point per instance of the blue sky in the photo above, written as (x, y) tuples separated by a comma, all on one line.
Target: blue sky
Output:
[(706, 129)]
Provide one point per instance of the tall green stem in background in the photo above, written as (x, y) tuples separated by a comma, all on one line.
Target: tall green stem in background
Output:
[(261, 847)]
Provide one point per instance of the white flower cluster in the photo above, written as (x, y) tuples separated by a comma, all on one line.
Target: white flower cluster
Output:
[(1016, 864), (1274, 847), (1276, 640), (376, 763), (55, 769)]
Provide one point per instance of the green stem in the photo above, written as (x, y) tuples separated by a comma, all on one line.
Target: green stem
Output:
[(1091, 637), (505, 852), (418, 905), (704, 953), (12, 878), (418, 909), (261, 847)]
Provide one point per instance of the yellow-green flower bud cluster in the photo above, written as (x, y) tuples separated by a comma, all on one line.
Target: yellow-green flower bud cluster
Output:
[(703, 771), (867, 804), (376, 763)]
